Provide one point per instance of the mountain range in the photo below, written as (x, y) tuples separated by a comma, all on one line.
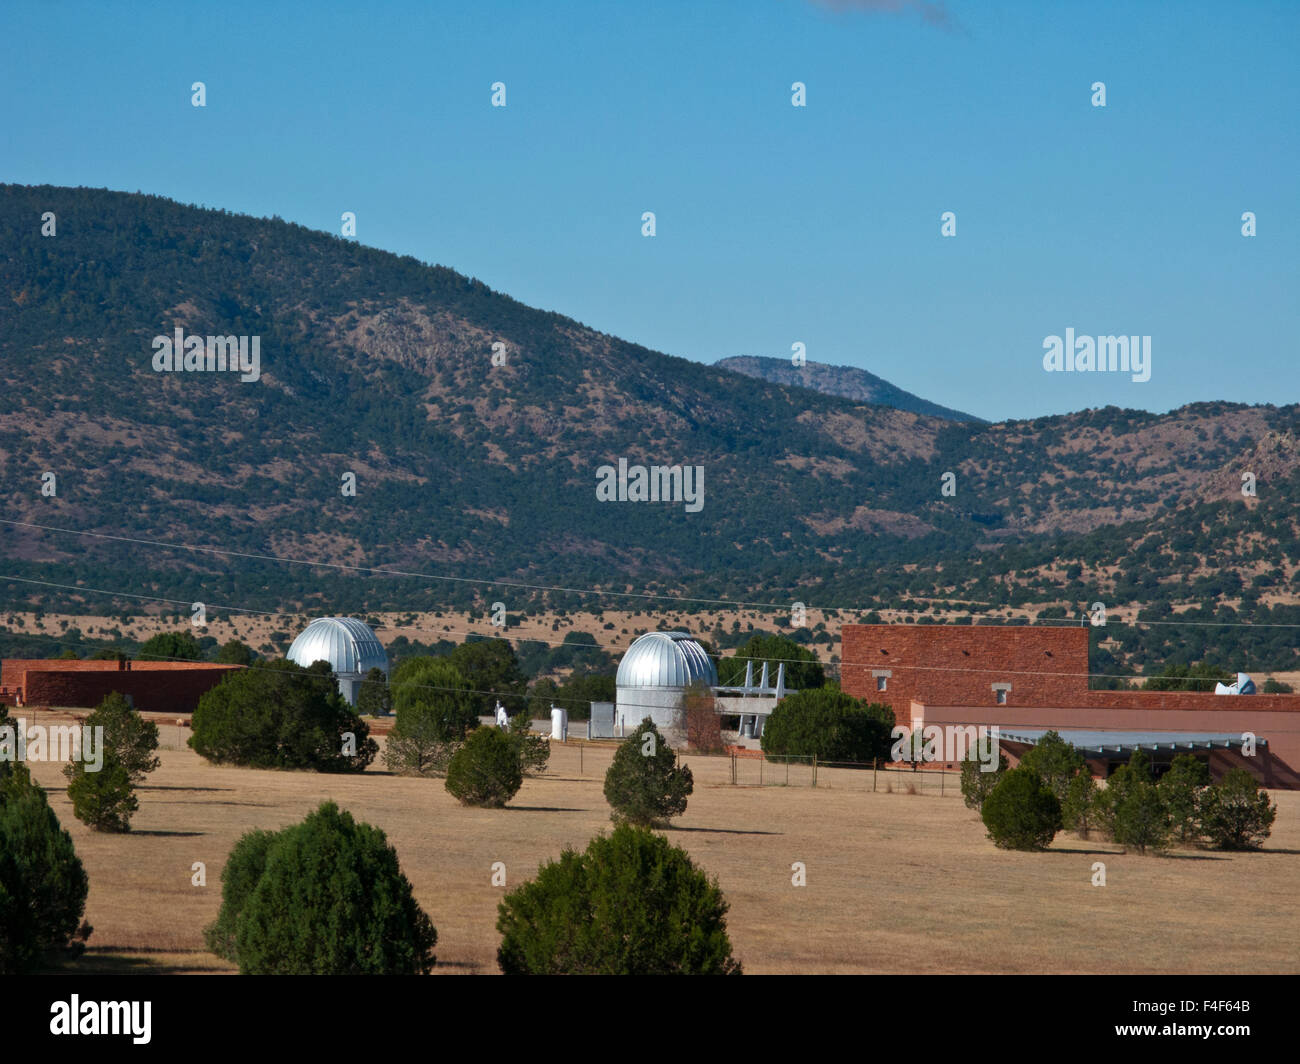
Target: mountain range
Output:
[(471, 428)]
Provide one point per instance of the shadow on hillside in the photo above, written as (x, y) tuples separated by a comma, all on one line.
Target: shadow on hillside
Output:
[(548, 809), (170, 834), (163, 787), (722, 831)]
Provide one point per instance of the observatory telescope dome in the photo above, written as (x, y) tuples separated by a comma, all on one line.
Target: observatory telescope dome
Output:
[(349, 646), (665, 659)]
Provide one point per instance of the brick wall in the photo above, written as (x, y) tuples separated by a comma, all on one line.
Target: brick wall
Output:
[(957, 665), (947, 673), (12, 669), (167, 690)]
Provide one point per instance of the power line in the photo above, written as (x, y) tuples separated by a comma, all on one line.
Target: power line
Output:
[(719, 657), (734, 603)]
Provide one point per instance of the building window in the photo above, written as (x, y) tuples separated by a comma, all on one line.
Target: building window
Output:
[(1002, 696), (881, 681)]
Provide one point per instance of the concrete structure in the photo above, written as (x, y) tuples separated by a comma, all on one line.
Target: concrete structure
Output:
[(752, 702), (150, 686), (348, 645), (1037, 678)]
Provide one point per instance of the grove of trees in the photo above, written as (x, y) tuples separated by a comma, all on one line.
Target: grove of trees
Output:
[(280, 715), (1132, 809), (826, 723)]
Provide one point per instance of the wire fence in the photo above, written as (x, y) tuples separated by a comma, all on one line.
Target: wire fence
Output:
[(796, 771)]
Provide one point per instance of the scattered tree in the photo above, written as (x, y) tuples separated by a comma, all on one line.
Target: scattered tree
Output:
[(976, 783), (491, 671), (541, 696), (803, 671), (236, 653), (374, 699), (131, 739), (324, 897), (1055, 761), (105, 799), (703, 725), (1235, 813), (485, 771), (1179, 677), (644, 784), (434, 712), (244, 867), (43, 884), (1078, 810), (631, 904), (171, 646), (533, 748), (1141, 819), (1022, 812), (1181, 788)]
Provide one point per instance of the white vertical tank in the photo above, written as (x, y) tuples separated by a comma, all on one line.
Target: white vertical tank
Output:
[(559, 723)]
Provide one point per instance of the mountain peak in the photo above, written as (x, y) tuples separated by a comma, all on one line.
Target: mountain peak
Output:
[(844, 381)]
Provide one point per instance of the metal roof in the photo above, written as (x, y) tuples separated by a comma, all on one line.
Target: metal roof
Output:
[(665, 659), (1117, 742), (345, 642)]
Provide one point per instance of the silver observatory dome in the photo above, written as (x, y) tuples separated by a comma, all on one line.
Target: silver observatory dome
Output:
[(347, 644), (653, 677)]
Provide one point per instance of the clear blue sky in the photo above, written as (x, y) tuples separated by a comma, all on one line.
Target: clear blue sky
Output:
[(775, 223)]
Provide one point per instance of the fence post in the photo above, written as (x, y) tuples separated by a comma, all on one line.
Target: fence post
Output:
[(814, 770), (875, 764), (580, 771), (942, 775)]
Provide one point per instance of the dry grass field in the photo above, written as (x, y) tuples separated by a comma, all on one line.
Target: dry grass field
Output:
[(895, 882)]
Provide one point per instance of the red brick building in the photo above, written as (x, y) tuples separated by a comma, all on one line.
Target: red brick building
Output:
[(154, 686), (1037, 677)]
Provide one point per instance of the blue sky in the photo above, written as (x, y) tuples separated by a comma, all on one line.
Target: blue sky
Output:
[(775, 224)]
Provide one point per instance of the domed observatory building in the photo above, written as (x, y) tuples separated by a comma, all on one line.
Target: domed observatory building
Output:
[(653, 677), (347, 644)]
